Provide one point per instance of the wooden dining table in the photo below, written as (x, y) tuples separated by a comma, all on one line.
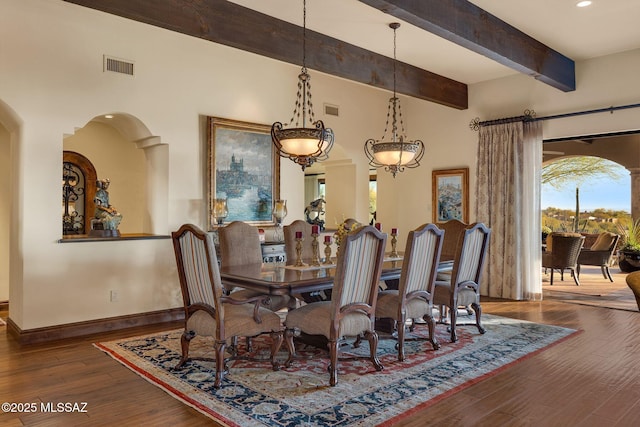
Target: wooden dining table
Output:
[(279, 279)]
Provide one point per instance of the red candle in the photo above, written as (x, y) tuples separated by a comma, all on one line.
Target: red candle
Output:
[(327, 239), (315, 229), (379, 226), (298, 234), (394, 231)]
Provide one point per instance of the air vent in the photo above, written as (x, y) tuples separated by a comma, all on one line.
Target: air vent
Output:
[(331, 110), (116, 65)]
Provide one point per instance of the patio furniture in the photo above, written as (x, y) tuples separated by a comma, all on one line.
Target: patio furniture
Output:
[(600, 253), (562, 254)]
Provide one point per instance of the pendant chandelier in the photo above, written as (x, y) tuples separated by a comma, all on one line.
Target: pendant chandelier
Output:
[(397, 153), (303, 145)]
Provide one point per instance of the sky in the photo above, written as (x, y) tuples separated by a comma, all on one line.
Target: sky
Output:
[(594, 193)]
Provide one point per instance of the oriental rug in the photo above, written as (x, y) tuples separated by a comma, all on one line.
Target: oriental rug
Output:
[(254, 395)]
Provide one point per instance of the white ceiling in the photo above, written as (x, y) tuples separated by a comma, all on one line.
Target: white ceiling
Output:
[(605, 27)]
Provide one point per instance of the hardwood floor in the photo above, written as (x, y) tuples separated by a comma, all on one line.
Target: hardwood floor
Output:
[(592, 379)]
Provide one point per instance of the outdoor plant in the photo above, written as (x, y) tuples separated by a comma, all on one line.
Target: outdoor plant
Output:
[(630, 235)]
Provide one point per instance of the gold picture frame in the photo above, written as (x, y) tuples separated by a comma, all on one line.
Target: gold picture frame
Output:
[(244, 168), (450, 192)]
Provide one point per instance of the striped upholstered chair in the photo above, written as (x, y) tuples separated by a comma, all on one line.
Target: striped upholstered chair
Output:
[(351, 311), (463, 289), (414, 297), (207, 311)]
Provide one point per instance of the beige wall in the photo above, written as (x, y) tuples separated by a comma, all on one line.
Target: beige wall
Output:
[(5, 203), (52, 56)]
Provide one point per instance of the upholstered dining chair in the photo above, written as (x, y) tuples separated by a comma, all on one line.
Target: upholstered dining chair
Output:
[(452, 230), (563, 250), (239, 244), (414, 297), (599, 253), (351, 310), (290, 240), (463, 289), (208, 312)]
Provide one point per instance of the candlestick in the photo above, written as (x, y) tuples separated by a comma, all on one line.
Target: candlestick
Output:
[(394, 242), (315, 229), (327, 249), (299, 262), (315, 259)]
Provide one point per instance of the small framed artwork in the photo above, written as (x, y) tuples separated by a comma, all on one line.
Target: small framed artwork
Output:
[(450, 195), (243, 172)]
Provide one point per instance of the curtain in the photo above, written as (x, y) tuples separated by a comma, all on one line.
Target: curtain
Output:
[(508, 201)]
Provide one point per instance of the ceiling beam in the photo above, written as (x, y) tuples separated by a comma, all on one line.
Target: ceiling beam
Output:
[(232, 25), (465, 24)]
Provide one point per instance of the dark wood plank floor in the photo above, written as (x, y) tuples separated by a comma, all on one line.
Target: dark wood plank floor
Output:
[(592, 379)]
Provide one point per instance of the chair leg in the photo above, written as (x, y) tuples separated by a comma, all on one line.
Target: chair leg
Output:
[(220, 364), (551, 278), (400, 327), (454, 318), (291, 347), (575, 278), (431, 325), (333, 362), (606, 273), (184, 343), (372, 337), (476, 307), (276, 342)]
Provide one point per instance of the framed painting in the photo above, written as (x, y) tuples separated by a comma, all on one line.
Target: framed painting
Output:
[(243, 171), (450, 194)]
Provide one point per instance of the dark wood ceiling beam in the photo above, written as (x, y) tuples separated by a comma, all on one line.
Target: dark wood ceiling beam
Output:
[(465, 24), (229, 24)]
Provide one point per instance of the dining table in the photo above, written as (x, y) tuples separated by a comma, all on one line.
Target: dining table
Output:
[(281, 279)]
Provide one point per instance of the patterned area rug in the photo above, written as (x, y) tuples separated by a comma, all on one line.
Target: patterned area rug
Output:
[(254, 395)]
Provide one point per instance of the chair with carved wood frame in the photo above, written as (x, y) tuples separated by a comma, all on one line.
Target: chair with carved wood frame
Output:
[(414, 297), (351, 310), (463, 289), (239, 244), (208, 312)]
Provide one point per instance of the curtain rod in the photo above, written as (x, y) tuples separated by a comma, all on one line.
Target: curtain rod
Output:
[(530, 116)]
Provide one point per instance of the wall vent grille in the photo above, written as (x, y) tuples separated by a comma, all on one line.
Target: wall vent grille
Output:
[(331, 110), (116, 65)]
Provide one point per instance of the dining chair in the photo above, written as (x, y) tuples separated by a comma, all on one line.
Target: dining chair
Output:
[(208, 312), (414, 297), (290, 240), (463, 288), (239, 244), (351, 310), (452, 230)]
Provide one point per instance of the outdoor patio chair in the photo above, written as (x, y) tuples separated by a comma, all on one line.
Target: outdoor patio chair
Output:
[(600, 253), (563, 255)]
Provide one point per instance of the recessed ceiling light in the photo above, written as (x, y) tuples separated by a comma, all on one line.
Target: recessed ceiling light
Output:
[(583, 3)]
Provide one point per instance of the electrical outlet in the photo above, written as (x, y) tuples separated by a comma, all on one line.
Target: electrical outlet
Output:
[(113, 296)]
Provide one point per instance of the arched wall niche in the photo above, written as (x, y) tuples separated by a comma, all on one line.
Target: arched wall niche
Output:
[(136, 162)]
